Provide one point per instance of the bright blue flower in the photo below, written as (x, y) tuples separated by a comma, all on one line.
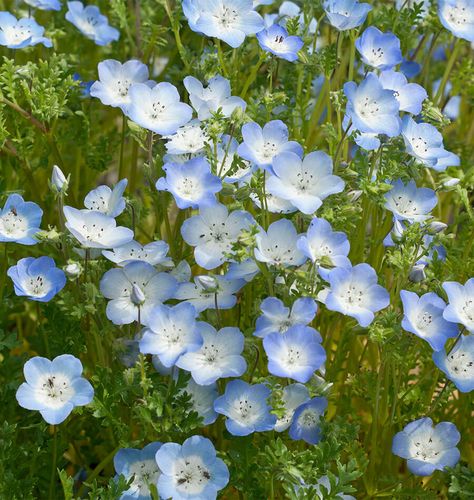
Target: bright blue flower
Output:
[(293, 396), (155, 253), (458, 364), (227, 20), (457, 16), (379, 50), (91, 23), (426, 447), (276, 41), (295, 354), (134, 290), (408, 202), (246, 408), (107, 201), (213, 232), (54, 387), (141, 467), (44, 4), (306, 421), (410, 96), (261, 145), (278, 318), (354, 292), (202, 400), (190, 471), (346, 14), (423, 316), (20, 221), (85, 86), (371, 108), (17, 34), (461, 303), (37, 279), (192, 184)]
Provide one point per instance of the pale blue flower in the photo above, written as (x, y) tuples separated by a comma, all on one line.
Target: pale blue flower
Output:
[(107, 201), (276, 40), (293, 396), (44, 4), (306, 421), (202, 399), (155, 253), (379, 50), (346, 14), (289, 10), (246, 270), (461, 303), (457, 16), (190, 139), (20, 221), (410, 96), (20, 33)]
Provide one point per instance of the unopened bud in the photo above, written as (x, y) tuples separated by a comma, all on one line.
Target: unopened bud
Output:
[(451, 182), (417, 273), (59, 182), (73, 270), (208, 283), (137, 296), (437, 226)]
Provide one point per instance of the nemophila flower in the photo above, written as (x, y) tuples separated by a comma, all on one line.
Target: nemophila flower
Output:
[(202, 400), (354, 292), (213, 232), (227, 20), (37, 279), (20, 33), (261, 145), (182, 272), (426, 447), (423, 316), (277, 245), (20, 221), (458, 363), (96, 230), (461, 303), (188, 139), (246, 270), (379, 50), (202, 298), (140, 466), (155, 253), (191, 470), (457, 16), (107, 201), (410, 69), (276, 40), (59, 182), (159, 108), (171, 331), (54, 387), (192, 184), (293, 395), (246, 408), (115, 80), (91, 23), (218, 357), (346, 14), (217, 95), (371, 108), (229, 165), (134, 290), (278, 318), (410, 96), (410, 203), (274, 204), (295, 354), (304, 183), (306, 419), (44, 4)]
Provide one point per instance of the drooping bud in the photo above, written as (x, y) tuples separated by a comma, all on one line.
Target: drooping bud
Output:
[(137, 296), (436, 227)]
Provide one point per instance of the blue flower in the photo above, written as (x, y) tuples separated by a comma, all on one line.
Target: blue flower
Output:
[(20, 221), (158, 108), (379, 50), (44, 4), (227, 20), (17, 34), (410, 203), (217, 95), (426, 447), (171, 332), (305, 424), (218, 357), (293, 396), (202, 400), (423, 316), (115, 80), (134, 290), (290, 10), (354, 292), (155, 253), (107, 201), (54, 387), (213, 232), (261, 145), (295, 354), (457, 17), (140, 466), (410, 96), (276, 41), (278, 318), (304, 183), (192, 184), (461, 303), (37, 279), (346, 14), (371, 108), (246, 408), (191, 470), (458, 363), (91, 23), (190, 139)]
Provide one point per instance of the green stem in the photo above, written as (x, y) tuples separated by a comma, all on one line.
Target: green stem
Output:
[(97, 471), (220, 56), (121, 174), (53, 463), (447, 71), (252, 76)]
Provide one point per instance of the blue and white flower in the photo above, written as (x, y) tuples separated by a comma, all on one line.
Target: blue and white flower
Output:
[(306, 421), (155, 253), (457, 16), (346, 14), (44, 4), (276, 40), (461, 303), (107, 201), (202, 400), (20, 221), (20, 33), (190, 139), (410, 96), (379, 50), (293, 396)]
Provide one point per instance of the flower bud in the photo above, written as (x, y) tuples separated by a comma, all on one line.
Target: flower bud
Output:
[(417, 273), (137, 296), (436, 227), (451, 182), (73, 270), (209, 283), (59, 182)]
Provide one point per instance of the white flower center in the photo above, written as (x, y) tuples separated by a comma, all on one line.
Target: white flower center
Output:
[(304, 181), (122, 87), (457, 15), (17, 34), (13, 224), (188, 188), (353, 295), (191, 475), (88, 24), (37, 286), (424, 320), (157, 110), (144, 473), (376, 54), (92, 232), (226, 18), (405, 206), (54, 390), (460, 364), (276, 43), (367, 108), (210, 353), (468, 310), (308, 418), (425, 448), (419, 145)]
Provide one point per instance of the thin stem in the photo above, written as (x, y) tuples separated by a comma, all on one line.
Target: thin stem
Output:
[(252, 76), (97, 471), (121, 174), (447, 71), (53, 463), (220, 56)]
